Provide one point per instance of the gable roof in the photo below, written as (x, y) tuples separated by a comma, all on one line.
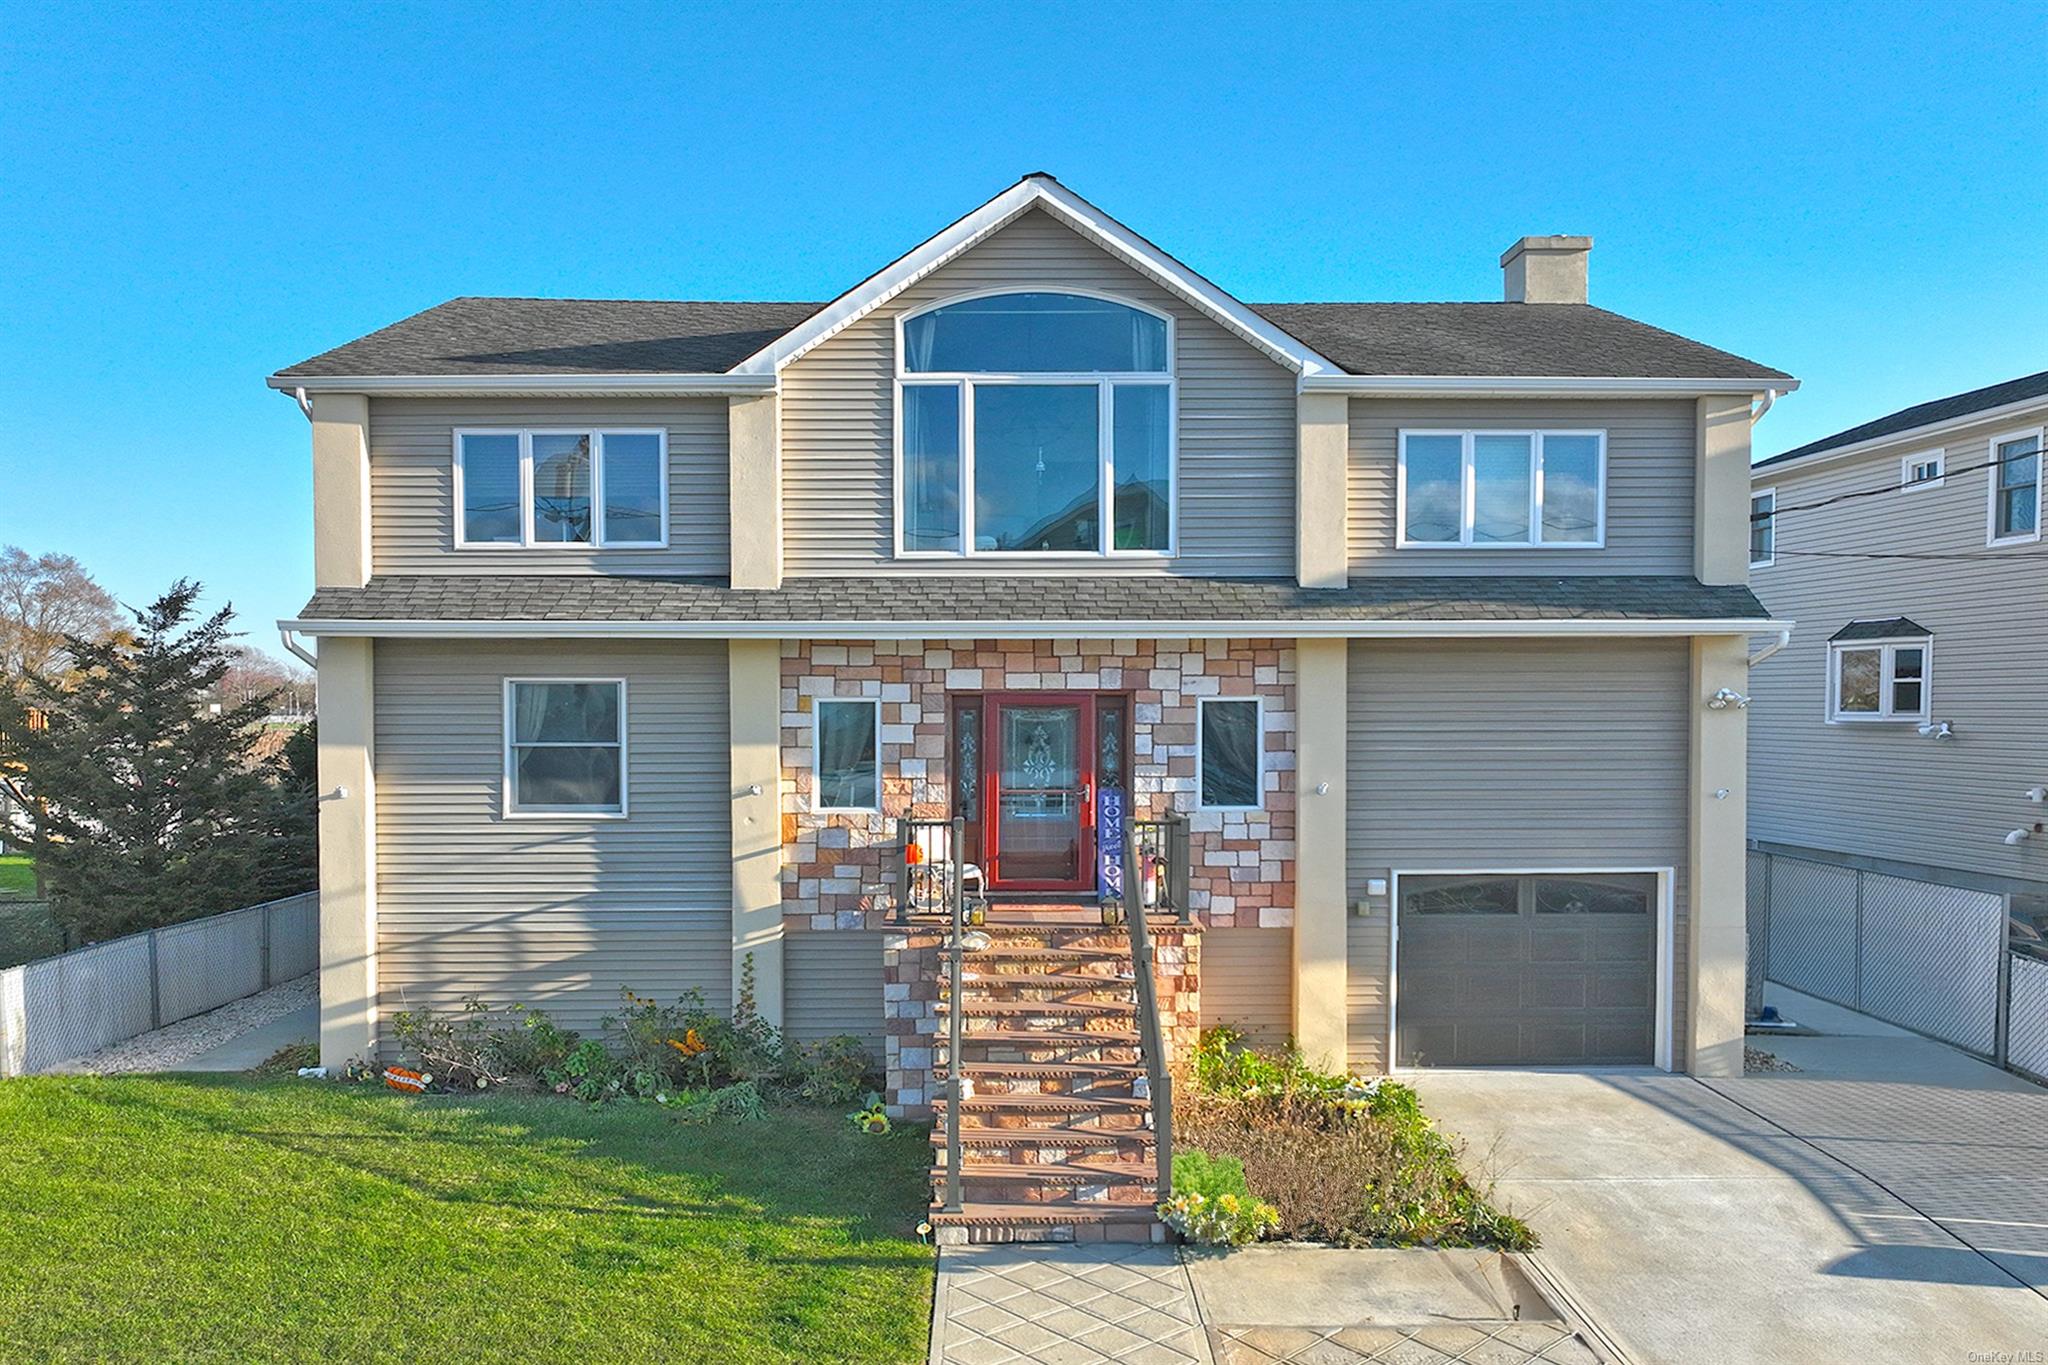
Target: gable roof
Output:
[(497, 341), (1927, 414), (1891, 628)]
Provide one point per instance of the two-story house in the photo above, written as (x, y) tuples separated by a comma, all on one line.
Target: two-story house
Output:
[(665, 642), (1905, 731)]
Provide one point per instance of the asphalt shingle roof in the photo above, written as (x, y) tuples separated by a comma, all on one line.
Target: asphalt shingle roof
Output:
[(1924, 414), (1891, 628), (482, 336), (998, 600)]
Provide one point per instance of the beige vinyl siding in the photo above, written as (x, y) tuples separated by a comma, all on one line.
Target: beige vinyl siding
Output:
[(412, 484), (1248, 983), (832, 984), (1879, 789), (1650, 447), (1236, 425), (553, 912), (1510, 755)]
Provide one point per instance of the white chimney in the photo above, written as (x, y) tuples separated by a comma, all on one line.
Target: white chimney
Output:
[(1545, 270)]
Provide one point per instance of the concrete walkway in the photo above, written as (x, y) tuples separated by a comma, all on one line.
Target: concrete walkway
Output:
[(1883, 1202), (1035, 1304)]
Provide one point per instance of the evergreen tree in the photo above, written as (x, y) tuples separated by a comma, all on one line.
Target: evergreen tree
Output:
[(147, 804)]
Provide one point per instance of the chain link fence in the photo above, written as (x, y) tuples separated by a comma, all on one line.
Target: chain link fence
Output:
[(1925, 956), (79, 1002)]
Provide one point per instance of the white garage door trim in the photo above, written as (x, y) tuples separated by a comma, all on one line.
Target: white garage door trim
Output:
[(1666, 927)]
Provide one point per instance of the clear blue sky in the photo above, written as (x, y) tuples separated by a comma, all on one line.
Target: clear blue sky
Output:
[(194, 196)]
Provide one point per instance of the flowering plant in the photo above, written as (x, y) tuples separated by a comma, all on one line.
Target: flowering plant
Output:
[(1227, 1220), (871, 1117)]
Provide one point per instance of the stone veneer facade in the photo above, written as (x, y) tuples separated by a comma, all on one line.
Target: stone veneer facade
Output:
[(837, 870)]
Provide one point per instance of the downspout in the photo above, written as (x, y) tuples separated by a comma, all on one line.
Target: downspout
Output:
[(298, 651), (1756, 414), (305, 403), (1784, 638)]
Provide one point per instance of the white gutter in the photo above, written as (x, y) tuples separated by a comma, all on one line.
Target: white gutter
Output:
[(1512, 386), (559, 385), (1033, 630), (286, 633), (1784, 633)]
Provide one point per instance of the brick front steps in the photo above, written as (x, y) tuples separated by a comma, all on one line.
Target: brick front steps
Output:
[(1055, 1128)]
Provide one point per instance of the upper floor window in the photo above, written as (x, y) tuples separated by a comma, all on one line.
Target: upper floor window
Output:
[(1502, 489), (2016, 488), (1924, 470), (603, 488), (1763, 528), (1035, 423), (1879, 670)]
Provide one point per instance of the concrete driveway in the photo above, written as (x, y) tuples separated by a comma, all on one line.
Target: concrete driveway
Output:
[(1887, 1201)]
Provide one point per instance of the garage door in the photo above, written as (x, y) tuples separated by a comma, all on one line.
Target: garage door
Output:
[(1540, 969)]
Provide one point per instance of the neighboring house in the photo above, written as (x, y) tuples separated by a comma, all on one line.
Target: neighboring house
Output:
[(645, 628), (1905, 730)]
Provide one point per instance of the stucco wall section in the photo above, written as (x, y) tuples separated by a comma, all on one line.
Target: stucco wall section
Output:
[(837, 869)]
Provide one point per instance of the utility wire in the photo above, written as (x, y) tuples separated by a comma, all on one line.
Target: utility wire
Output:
[(1777, 511)]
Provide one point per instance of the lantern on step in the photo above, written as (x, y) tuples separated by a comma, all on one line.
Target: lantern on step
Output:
[(1149, 882)]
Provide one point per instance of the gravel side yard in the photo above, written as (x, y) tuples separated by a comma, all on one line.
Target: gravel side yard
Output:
[(167, 1048)]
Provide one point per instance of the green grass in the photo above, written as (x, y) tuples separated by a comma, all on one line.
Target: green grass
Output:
[(187, 1219), (17, 874)]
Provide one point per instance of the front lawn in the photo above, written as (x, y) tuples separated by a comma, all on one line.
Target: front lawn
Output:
[(279, 1219), (17, 874)]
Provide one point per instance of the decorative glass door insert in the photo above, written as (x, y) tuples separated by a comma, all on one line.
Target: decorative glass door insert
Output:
[(1041, 780)]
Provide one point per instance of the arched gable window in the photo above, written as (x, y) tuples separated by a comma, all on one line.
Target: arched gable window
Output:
[(1052, 411)]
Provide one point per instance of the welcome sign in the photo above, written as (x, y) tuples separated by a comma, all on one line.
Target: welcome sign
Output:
[(1109, 842)]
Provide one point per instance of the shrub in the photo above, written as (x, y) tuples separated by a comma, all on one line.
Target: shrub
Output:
[(475, 1047), (834, 1071), (1212, 1204), (1342, 1160)]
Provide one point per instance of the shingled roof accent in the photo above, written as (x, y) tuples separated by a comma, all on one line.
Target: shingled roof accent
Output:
[(486, 336), (1000, 600), (1891, 628), (1924, 415)]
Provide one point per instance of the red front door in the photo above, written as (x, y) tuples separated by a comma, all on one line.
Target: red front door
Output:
[(1038, 792)]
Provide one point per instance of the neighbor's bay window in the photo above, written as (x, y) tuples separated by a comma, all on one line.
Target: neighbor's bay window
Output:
[(565, 746), (1876, 678), (848, 749), (1502, 489), (600, 488), (1035, 423)]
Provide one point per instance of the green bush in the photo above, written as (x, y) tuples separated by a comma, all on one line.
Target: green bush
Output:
[(1342, 1159), (1212, 1204)]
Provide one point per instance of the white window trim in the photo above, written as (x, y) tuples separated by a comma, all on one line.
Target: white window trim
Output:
[(818, 706), (1259, 722), (1105, 381), (1772, 521), (1937, 457), (1991, 536), (526, 540), (1887, 666), (513, 811), (1468, 494), (1662, 1050)]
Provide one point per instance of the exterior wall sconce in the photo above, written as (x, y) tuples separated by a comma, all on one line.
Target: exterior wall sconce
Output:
[(1726, 698)]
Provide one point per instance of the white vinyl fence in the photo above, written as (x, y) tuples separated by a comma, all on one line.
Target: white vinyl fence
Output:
[(80, 1002), (1924, 956)]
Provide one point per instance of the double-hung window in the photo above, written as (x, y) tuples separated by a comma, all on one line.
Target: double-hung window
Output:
[(565, 746), (1502, 490), (2016, 488), (1231, 753), (848, 749), (1879, 670), (1035, 424), (1763, 528), (602, 488)]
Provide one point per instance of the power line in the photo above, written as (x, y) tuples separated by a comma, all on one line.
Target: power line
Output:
[(1777, 511)]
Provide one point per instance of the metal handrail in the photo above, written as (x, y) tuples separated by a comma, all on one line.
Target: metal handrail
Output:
[(909, 875), (1149, 1035), (1166, 840), (955, 1089)]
